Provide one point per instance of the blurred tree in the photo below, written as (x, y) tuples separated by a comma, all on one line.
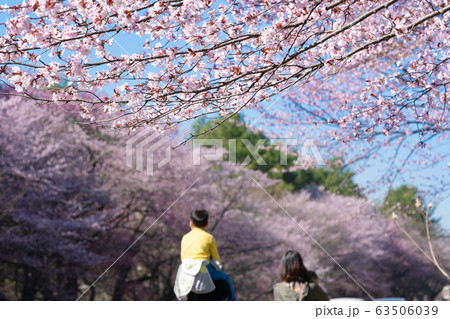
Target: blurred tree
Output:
[(69, 207), (334, 177), (406, 200), (235, 130), (53, 203)]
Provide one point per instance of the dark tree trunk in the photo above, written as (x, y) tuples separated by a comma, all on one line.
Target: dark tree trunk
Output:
[(71, 289), (29, 284), (120, 286)]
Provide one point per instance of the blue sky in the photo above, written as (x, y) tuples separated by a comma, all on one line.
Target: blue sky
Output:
[(424, 178)]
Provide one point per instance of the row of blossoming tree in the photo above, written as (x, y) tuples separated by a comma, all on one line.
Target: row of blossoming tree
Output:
[(69, 208)]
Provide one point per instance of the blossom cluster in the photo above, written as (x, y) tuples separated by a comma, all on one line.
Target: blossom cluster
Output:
[(197, 57)]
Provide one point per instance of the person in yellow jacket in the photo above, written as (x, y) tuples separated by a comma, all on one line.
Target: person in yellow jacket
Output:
[(200, 260), (198, 244)]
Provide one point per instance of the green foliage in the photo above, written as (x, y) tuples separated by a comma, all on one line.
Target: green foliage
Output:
[(334, 178), (405, 200), (236, 130), (61, 85), (402, 200)]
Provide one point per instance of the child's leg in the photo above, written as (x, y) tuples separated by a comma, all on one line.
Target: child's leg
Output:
[(220, 275)]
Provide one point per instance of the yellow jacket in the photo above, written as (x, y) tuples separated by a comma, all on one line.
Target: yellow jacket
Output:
[(199, 245)]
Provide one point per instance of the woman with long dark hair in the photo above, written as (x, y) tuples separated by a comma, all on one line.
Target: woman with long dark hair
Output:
[(296, 282)]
